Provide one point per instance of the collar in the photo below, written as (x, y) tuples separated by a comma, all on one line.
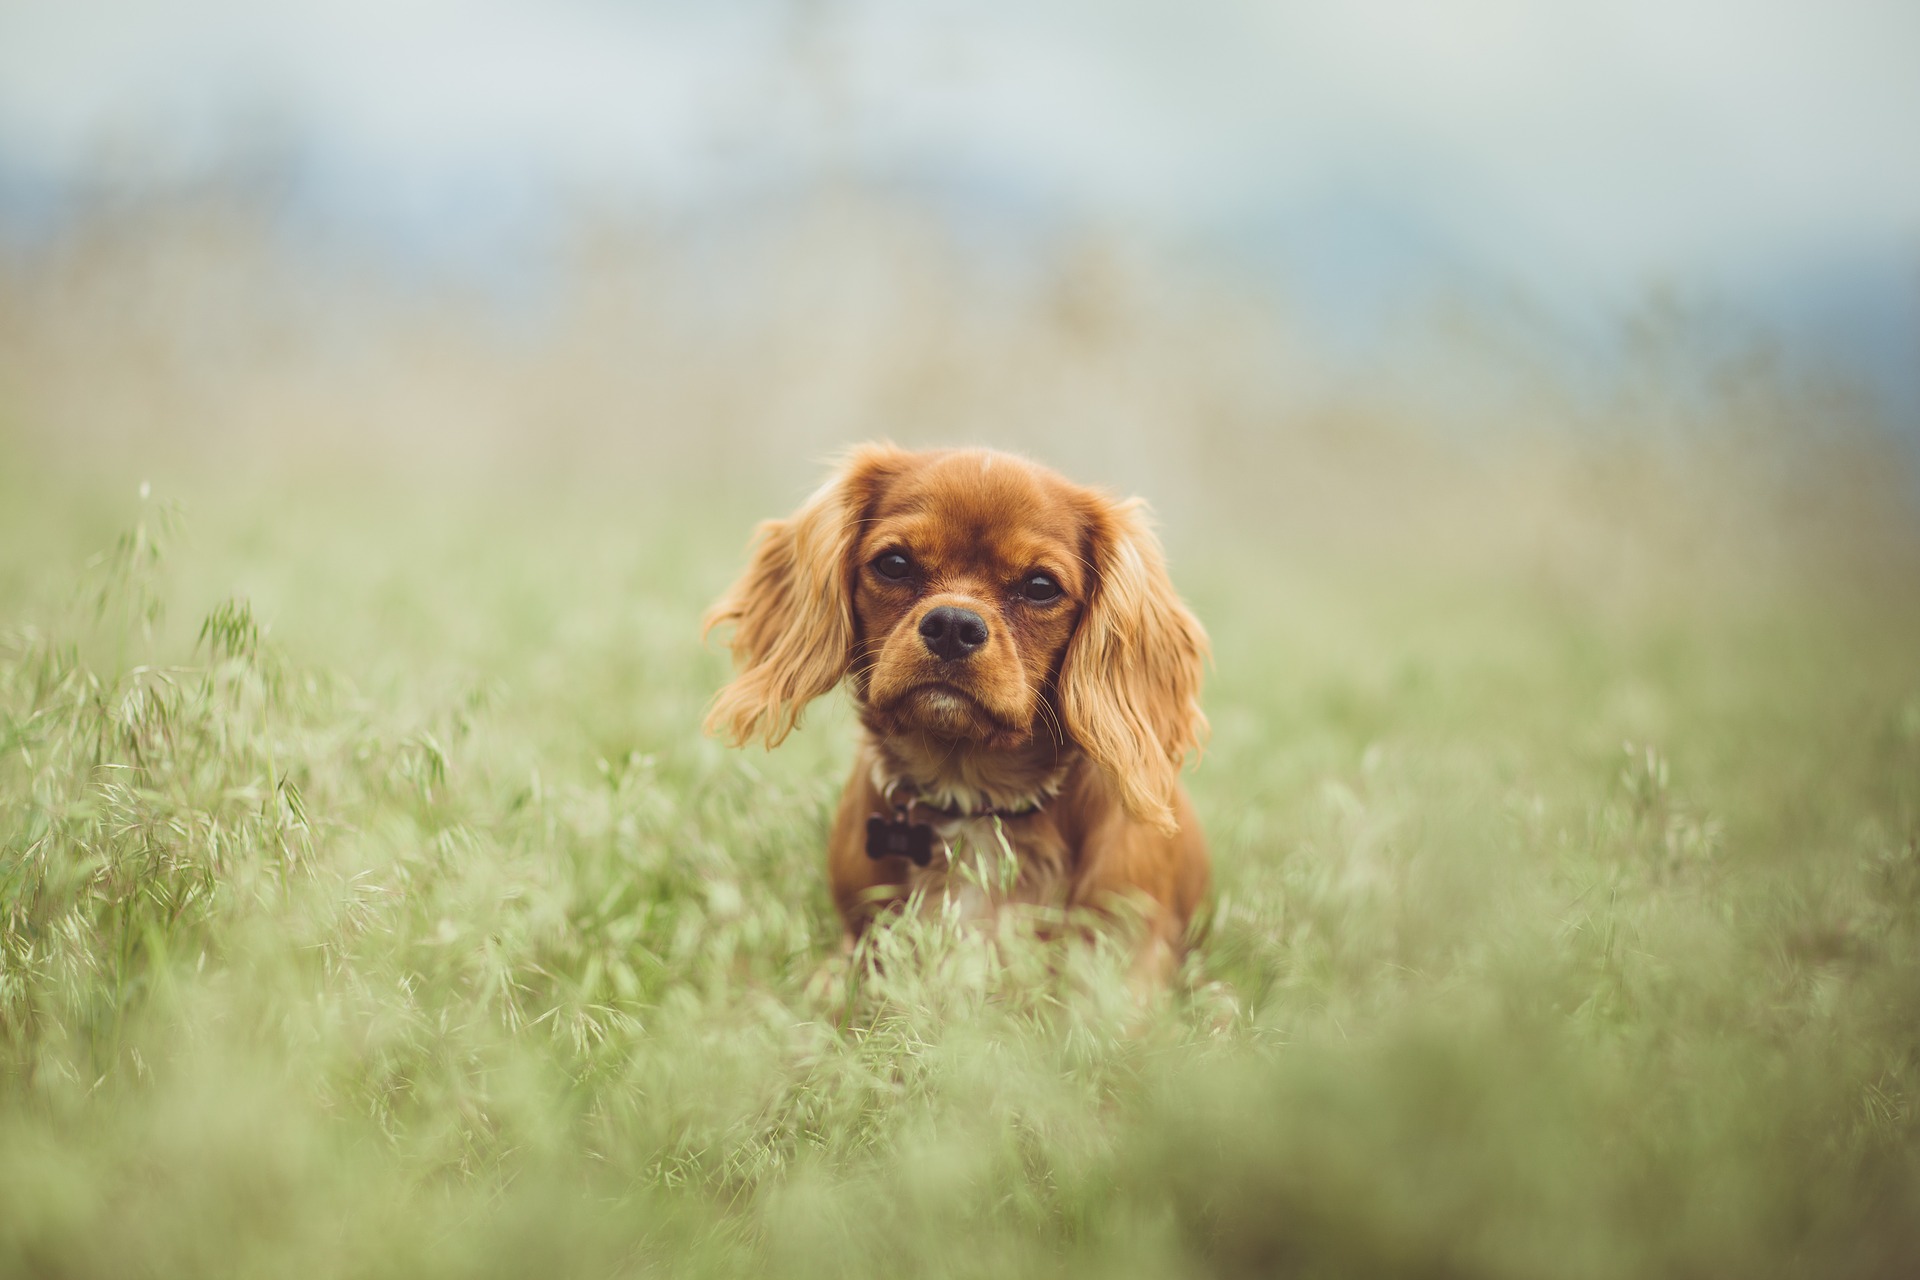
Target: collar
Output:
[(901, 835), (901, 795), (903, 798)]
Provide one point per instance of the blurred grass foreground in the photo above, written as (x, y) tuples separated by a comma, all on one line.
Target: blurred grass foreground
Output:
[(370, 904)]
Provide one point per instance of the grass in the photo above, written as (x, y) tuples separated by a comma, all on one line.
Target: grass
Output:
[(418, 933), (370, 904)]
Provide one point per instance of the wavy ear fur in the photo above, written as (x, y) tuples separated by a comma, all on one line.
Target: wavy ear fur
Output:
[(1130, 681), (793, 607)]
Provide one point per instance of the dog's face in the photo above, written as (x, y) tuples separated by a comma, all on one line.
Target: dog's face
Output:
[(972, 597), (967, 585)]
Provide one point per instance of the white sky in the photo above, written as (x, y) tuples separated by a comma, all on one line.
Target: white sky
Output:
[(1584, 143)]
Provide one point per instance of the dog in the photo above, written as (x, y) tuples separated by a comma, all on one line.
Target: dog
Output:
[(1025, 677)]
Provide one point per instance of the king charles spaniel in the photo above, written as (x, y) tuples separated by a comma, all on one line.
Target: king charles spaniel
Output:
[(1025, 676)]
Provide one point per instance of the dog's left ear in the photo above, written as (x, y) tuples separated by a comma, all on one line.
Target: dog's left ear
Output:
[(793, 607), (1130, 681)]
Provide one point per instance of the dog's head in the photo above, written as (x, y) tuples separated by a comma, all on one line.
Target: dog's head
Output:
[(973, 597)]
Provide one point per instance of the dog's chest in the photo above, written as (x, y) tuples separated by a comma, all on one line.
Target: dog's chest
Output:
[(983, 865)]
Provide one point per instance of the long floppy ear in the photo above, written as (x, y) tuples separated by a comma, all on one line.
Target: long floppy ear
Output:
[(1130, 681), (793, 607)]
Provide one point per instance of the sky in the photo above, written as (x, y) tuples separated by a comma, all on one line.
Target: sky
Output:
[(1761, 152)]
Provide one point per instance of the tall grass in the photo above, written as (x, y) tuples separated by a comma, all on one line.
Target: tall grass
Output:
[(369, 903)]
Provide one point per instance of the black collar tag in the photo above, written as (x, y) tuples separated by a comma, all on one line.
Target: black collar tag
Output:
[(900, 839)]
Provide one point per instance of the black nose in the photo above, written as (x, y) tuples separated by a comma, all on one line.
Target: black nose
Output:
[(953, 633)]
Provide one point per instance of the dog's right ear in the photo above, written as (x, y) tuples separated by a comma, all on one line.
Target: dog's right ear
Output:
[(793, 607)]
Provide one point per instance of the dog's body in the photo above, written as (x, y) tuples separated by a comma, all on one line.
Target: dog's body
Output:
[(1026, 678)]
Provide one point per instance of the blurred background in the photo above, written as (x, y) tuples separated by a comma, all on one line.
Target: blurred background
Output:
[(621, 240)]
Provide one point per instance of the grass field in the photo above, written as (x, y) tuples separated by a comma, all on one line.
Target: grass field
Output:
[(370, 905)]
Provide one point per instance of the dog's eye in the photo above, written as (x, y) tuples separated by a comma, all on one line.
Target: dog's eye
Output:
[(893, 566), (1040, 588)]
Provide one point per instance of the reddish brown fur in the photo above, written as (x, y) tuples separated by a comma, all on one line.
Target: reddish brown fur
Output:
[(1085, 705)]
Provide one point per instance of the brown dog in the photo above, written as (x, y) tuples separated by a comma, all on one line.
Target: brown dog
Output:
[(1027, 679)]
